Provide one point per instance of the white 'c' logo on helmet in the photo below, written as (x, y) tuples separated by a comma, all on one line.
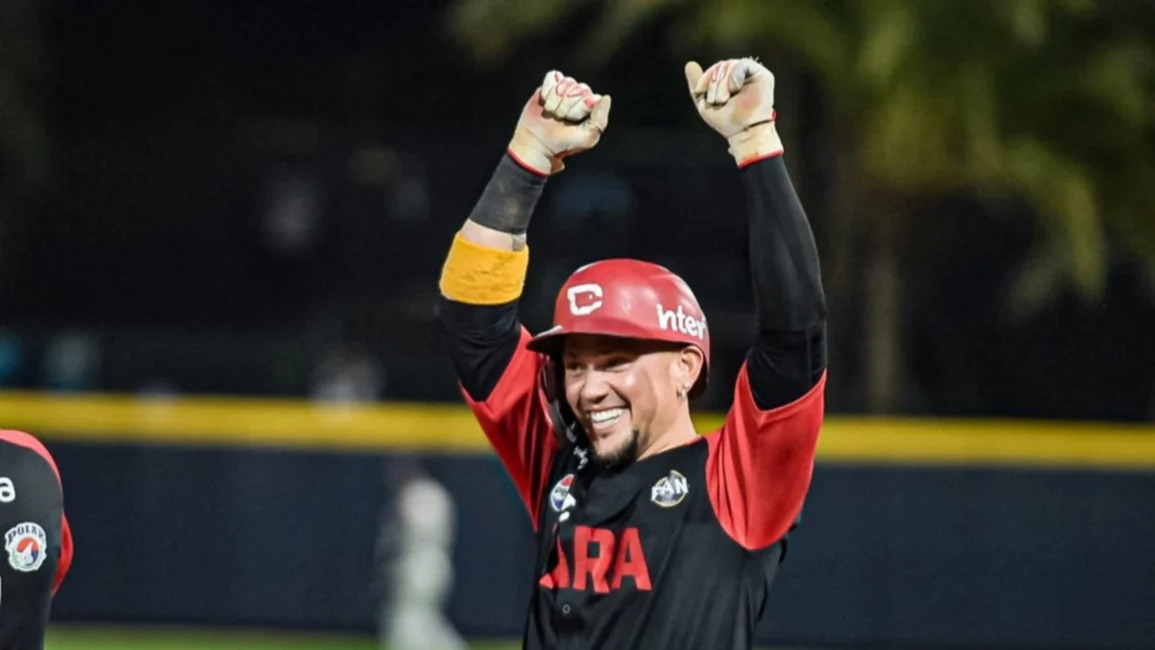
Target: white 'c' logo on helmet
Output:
[(584, 299)]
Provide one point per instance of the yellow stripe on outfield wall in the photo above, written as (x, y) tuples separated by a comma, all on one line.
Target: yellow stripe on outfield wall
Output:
[(222, 421)]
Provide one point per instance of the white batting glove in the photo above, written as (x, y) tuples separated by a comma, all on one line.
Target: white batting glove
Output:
[(563, 117), (736, 98)]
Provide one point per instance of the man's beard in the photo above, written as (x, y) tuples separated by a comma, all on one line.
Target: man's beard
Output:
[(618, 459)]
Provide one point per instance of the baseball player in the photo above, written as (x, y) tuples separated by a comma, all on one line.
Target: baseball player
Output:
[(37, 540), (649, 535)]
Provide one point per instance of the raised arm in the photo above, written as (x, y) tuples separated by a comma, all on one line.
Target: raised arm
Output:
[(762, 459), (484, 272)]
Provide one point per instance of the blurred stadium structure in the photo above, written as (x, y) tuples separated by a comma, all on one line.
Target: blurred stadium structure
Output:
[(221, 227)]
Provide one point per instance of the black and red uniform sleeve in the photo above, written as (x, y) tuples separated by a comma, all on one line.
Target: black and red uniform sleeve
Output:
[(37, 539), (762, 459), (499, 376), (500, 379)]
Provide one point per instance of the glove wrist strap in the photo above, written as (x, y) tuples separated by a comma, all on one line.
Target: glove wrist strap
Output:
[(528, 152), (756, 142)]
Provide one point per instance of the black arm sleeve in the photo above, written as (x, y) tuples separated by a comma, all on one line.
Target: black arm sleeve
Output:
[(481, 341), (482, 338), (789, 355), (507, 203)]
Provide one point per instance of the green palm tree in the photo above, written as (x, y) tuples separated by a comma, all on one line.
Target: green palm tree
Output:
[(1047, 101)]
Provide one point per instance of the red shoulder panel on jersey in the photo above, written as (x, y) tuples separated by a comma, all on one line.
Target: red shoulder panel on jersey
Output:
[(515, 419), (760, 464), (29, 441), (66, 551)]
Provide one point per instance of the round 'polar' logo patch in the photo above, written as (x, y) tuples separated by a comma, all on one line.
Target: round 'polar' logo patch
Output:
[(27, 546)]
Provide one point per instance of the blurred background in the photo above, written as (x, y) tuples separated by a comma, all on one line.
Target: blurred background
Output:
[(221, 226)]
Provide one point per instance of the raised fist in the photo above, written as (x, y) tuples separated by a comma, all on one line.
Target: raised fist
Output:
[(736, 98), (563, 117)]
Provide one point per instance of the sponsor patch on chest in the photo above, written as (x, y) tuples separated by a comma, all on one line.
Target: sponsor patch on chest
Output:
[(559, 497), (670, 490)]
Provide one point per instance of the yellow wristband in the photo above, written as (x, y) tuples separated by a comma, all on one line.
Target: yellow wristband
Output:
[(477, 275)]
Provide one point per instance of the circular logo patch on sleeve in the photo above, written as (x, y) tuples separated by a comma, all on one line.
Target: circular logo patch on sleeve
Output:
[(27, 546), (670, 490)]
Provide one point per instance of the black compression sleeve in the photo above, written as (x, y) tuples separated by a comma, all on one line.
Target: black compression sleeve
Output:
[(509, 198), (483, 338), (789, 355), (481, 341)]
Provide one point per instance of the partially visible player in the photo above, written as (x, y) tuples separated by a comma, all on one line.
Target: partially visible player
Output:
[(649, 535), (37, 540)]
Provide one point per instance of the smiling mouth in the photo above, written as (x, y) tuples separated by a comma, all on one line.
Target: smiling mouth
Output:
[(602, 422)]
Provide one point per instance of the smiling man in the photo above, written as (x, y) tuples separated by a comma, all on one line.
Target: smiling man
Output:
[(649, 535)]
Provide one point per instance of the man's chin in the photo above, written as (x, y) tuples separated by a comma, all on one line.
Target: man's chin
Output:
[(615, 453)]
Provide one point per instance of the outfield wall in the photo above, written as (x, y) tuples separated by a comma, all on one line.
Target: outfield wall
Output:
[(917, 533)]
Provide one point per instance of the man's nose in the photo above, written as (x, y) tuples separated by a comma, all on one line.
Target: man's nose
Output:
[(594, 387)]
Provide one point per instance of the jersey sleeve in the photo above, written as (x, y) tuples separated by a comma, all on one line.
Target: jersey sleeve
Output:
[(515, 418), (31, 443), (37, 539), (789, 354), (66, 551), (760, 463)]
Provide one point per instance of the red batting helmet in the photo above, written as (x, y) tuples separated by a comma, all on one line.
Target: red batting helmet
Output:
[(630, 299)]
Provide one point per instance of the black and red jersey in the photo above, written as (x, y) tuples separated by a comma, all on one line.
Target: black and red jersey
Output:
[(36, 536), (677, 550), (674, 551)]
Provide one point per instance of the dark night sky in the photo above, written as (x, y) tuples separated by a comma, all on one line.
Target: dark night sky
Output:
[(134, 62), (119, 67), (129, 62)]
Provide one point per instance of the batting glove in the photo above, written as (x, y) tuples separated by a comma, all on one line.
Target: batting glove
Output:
[(736, 98), (563, 117)]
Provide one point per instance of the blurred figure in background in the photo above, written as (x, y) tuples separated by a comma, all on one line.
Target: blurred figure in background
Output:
[(347, 375), (417, 545), (72, 362)]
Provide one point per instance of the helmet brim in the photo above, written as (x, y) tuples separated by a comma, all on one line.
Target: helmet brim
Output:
[(552, 342)]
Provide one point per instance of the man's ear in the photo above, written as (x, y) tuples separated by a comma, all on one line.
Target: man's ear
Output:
[(687, 367)]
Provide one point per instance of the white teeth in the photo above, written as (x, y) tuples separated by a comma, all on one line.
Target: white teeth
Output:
[(602, 417)]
